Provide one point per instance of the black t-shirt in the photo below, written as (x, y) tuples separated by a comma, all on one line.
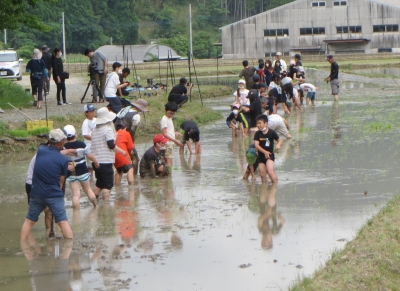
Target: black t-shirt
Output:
[(334, 71), (179, 90), (291, 72), (188, 125), (150, 157), (231, 117), (255, 110), (46, 57), (58, 68), (266, 141), (80, 162)]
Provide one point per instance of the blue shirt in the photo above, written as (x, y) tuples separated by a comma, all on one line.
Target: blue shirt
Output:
[(50, 165)]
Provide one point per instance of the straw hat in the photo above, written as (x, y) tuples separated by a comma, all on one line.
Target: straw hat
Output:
[(104, 116)]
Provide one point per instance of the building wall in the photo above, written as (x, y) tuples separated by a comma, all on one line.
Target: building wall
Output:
[(245, 39)]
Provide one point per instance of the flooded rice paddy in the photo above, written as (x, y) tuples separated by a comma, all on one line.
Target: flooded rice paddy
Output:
[(207, 229)]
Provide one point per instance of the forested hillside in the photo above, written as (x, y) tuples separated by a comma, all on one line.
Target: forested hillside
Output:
[(92, 23)]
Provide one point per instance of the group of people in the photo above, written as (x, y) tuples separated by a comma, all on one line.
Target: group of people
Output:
[(108, 150), (260, 91), (41, 68)]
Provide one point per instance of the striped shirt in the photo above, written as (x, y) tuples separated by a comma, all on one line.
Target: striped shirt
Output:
[(100, 135)]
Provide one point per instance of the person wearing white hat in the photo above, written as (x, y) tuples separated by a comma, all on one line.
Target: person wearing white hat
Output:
[(87, 126), (104, 148), (241, 93), (283, 63), (48, 180), (80, 175), (38, 74)]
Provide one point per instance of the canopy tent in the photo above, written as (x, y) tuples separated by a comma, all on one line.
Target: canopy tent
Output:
[(139, 53)]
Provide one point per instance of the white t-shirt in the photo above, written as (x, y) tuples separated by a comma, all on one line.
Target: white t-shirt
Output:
[(243, 100), (135, 118), (29, 174), (87, 127), (308, 87), (167, 123), (111, 85)]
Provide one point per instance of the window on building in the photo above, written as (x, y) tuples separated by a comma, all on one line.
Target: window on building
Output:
[(312, 30), (318, 4), (386, 28), (348, 29), (276, 32), (339, 3)]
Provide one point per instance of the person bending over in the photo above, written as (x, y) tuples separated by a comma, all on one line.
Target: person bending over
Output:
[(153, 162)]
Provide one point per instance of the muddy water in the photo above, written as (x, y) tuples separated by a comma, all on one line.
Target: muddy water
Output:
[(207, 229)]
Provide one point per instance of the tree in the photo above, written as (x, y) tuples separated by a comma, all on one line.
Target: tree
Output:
[(14, 13)]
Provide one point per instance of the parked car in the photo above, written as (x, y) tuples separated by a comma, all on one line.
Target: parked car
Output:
[(10, 65)]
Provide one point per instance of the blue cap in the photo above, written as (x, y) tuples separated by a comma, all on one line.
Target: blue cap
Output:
[(88, 108)]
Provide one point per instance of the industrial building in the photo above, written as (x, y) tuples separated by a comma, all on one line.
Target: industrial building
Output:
[(316, 27)]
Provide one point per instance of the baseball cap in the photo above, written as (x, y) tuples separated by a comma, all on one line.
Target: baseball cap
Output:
[(253, 95), (70, 130), (262, 85), (56, 135), (297, 56), (45, 48), (256, 78), (251, 156), (278, 53), (329, 57), (88, 108), (241, 81), (160, 138)]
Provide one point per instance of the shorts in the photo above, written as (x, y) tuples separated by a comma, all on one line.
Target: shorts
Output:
[(311, 95), (37, 89), (169, 152), (280, 128), (104, 176), (263, 159), (148, 172), (335, 86), (289, 103), (124, 169), (82, 178), (38, 204)]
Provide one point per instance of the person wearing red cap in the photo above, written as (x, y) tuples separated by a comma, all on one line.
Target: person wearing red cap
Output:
[(153, 162)]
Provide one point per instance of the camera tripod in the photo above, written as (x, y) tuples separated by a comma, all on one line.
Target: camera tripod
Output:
[(92, 82)]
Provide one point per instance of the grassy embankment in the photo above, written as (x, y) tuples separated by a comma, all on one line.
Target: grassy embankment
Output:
[(191, 110), (369, 262), (16, 95)]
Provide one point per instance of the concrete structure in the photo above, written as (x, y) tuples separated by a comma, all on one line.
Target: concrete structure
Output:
[(316, 27), (139, 53)]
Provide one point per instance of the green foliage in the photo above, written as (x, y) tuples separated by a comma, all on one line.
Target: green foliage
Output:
[(179, 43), (15, 13), (25, 51), (37, 131), (88, 24), (14, 94), (19, 133)]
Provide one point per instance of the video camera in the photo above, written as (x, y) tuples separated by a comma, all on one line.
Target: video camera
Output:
[(92, 70)]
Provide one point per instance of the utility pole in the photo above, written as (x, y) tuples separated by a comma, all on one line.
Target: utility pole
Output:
[(63, 33), (5, 36), (190, 31)]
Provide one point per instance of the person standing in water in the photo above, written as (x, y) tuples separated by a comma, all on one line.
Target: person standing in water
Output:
[(334, 77)]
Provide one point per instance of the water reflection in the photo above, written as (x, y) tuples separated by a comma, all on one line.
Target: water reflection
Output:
[(49, 264), (335, 124), (193, 162)]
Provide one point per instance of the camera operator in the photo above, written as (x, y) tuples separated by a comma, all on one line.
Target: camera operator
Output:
[(179, 92), (99, 64)]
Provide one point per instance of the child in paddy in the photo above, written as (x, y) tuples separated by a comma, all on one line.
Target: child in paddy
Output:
[(251, 158), (237, 117), (264, 143), (80, 175)]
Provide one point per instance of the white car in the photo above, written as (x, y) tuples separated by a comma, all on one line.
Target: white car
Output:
[(10, 65)]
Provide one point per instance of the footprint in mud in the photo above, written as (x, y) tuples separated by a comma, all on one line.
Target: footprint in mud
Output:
[(299, 267)]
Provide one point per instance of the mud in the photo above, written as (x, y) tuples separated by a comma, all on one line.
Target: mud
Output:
[(207, 229)]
